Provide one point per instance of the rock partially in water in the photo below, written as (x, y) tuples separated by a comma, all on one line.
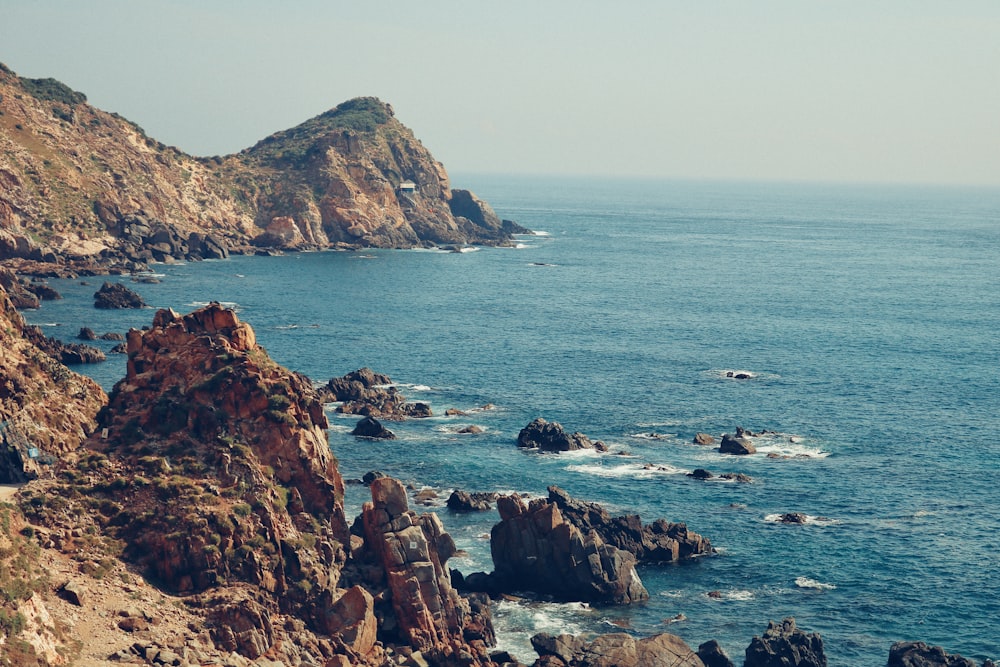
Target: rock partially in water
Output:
[(551, 437), (919, 654), (784, 645), (116, 296)]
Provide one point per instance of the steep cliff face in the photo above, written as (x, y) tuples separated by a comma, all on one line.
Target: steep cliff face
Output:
[(355, 174), (80, 184), (46, 410)]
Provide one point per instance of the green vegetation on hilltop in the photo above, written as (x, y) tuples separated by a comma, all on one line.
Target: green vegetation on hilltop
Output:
[(363, 115), (52, 90)]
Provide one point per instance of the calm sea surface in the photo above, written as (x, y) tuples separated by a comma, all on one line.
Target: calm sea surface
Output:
[(868, 316)]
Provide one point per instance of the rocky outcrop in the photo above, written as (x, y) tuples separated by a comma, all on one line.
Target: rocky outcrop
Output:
[(919, 654), (658, 542), (413, 552), (784, 645), (116, 296), (20, 296), (364, 392), (536, 549), (703, 439), (46, 410), (616, 649), (551, 437)]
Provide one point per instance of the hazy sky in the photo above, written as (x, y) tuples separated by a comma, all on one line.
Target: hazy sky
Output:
[(890, 90)]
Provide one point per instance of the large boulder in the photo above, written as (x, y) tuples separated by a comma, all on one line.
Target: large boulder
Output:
[(369, 427), (617, 649), (784, 645), (551, 437), (535, 549), (736, 445), (658, 542), (115, 296), (919, 654), (463, 501)]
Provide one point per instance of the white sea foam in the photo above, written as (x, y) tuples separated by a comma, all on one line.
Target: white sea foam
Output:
[(627, 470), (810, 520), (806, 582), (516, 622), (653, 436), (786, 446), (732, 595)]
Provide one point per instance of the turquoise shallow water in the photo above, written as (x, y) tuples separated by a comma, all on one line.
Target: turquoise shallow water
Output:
[(868, 316)]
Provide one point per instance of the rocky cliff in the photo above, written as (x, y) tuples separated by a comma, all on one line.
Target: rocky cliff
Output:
[(89, 188), (211, 475)]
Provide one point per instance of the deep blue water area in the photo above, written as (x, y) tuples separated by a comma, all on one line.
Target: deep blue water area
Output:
[(868, 317)]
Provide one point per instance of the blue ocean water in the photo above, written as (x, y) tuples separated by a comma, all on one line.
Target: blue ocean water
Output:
[(867, 315)]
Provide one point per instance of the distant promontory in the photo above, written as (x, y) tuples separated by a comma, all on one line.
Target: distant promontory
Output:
[(80, 187)]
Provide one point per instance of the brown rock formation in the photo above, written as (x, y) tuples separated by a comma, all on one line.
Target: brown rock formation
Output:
[(535, 548), (43, 405), (413, 551)]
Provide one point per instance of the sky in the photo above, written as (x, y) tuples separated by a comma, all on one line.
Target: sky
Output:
[(896, 91)]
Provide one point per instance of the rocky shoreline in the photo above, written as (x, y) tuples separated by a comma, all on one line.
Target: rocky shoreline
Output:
[(206, 478)]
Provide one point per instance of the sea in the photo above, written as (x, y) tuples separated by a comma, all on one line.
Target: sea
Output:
[(866, 317)]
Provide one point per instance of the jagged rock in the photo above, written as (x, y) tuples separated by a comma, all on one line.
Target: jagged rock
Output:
[(112, 335), (462, 501), (617, 650), (550, 437), (86, 333), (740, 477), (414, 551), (738, 446), (369, 427), (919, 654), (703, 439), (658, 542), (464, 204), (784, 645), (700, 473), (117, 296), (797, 518), (534, 548), (713, 656), (471, 430)]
